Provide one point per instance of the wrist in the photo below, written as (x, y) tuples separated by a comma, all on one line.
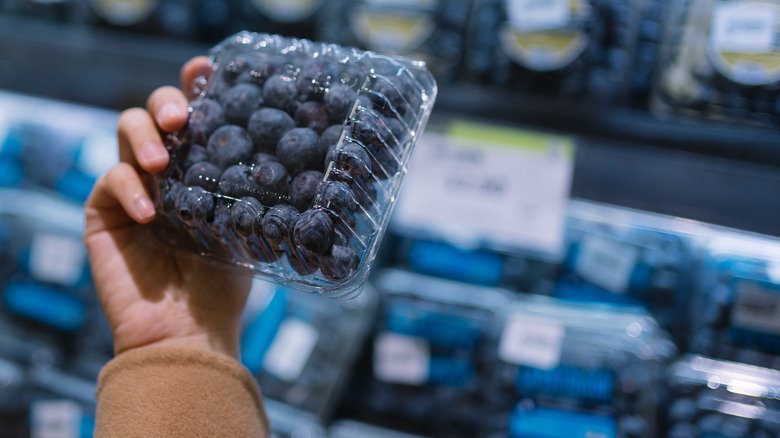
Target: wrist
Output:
[(222, 343)]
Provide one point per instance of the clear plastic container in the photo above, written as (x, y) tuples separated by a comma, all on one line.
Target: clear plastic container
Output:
[(293, 159), (427, 369), (301, 347), (560, 48), (585, 368), (629, 257), (710, 397), (733, 311), (723, 62)]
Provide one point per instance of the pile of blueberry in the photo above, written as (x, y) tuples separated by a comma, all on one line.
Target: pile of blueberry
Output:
[(292, 156)]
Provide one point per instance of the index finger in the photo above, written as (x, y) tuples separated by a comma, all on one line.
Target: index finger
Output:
[(193, 69)]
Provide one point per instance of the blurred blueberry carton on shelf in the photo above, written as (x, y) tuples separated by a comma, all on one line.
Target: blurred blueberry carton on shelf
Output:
[(55, 146), (653, 19), (723, 62), (292, 160), (562, 48), (14, 398), (734, 311), (61, 404), (715, 398), (47, 299), (431, 30), (630, 258), (60, 11), (296, 18), (430, 350), (577, 370), (356, 429), (290, 422), (301, 347)]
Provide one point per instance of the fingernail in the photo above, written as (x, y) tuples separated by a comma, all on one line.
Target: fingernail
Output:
[(144, 208), (154, 153), (170, 112)]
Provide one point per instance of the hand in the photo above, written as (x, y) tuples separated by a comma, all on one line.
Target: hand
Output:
[(152, 298)]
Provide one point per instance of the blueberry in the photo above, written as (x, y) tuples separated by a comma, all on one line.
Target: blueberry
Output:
[(313, 231), (236, 182), (246, 216), (240, 102), (258, 71), (206, 116), (262, 157), (299, 149), (330, 138), (337, 196), (170, 194), (278, 223), (266, 126), (195, 203), (352, 159), (234, 68), (340, 263), (338, 102), (302, 264), (279, 92), (272, 182), (203, 174), (367, 129), (303, 188), (311, 114), (229, 145), (194, 154), (314, 77)]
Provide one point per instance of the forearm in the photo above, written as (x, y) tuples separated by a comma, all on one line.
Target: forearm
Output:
[(178, 392)]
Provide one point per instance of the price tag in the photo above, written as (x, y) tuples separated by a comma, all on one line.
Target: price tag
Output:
[(57, 259), (99, 152), (290, 350), (532, 342), (606, 263), (743, 27), (756, 307), (401, 359), (55, 419), (528, 15), (506, 187)]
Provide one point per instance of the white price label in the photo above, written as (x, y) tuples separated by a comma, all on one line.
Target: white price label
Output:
[(401, 359), (506, 187), (290, 350), (756, 308), (55, 419), (743, 27), (773, 271), (532, 342), (606, 262), (99, 152), (57, 259), (530, 15)]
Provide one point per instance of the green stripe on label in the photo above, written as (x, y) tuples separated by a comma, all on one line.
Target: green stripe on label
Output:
[(506, 136)]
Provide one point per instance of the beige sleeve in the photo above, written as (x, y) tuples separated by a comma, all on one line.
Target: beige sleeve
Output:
[(172, 392)]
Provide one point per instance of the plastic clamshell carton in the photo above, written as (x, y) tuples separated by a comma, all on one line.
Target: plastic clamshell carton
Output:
[(292, 159)]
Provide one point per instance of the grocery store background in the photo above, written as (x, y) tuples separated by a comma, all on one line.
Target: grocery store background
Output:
[(586, 244)]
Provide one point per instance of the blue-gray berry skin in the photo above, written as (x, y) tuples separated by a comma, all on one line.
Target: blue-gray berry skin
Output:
[(229, 145), (330, 138), (340, 263), (303, 188), (299, 149), (313, 231), (272, 181), (203, 174), (236, 182), (351, 159), (262, 157), (246, 215), (171, 194), (338, 100), (279, 92), (314, 78), (338, 196), (240, 101), (206, 116), (278, 224), (193, 153), (266, 126), (195, 203), (258, 71), (311, 114)]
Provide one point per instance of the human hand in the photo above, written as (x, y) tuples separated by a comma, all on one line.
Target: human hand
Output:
[(150, 297)]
